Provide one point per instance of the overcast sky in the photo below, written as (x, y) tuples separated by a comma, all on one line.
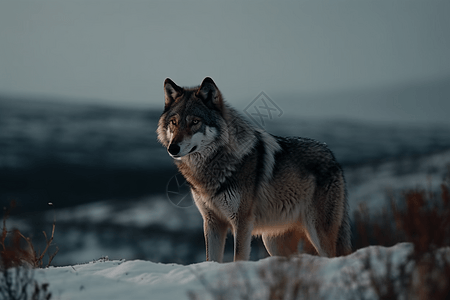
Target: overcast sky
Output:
[(120, 52)]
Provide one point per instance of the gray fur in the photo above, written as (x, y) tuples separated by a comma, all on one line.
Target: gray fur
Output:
[(291, 191)]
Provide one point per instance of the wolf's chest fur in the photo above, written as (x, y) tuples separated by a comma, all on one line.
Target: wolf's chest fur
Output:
[(217, 182)]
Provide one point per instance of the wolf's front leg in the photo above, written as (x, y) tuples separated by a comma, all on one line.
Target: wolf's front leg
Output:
[(215, 234), (242, 239)]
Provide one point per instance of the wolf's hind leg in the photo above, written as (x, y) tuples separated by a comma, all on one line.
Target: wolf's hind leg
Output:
[(319, 239), (286, 243)]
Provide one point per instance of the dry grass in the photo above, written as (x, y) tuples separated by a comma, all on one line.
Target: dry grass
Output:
[(17, 258), (423, 220), (14, 254)]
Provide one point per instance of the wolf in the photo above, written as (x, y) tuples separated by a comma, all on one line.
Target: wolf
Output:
[(288, 190)]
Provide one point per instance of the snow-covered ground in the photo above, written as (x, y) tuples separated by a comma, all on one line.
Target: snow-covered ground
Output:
[(324, 278)]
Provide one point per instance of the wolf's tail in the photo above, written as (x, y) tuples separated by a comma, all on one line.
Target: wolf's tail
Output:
[(344, 243)]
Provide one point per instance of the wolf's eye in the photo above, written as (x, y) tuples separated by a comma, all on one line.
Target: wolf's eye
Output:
[(173, 122), (195, 122)]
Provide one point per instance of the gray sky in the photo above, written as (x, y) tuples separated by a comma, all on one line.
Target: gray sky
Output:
[(120, 52)]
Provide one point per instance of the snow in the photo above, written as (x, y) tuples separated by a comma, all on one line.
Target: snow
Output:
[(138, 279), (141, 213), (373, 185), (91, 247)]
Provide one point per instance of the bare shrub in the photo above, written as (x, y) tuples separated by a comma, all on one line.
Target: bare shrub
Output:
[(375, 229), (426, 221), (13, 254), (423, 220), (16, 262)]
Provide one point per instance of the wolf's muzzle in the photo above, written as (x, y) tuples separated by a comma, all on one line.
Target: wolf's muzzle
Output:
[(173, 149)]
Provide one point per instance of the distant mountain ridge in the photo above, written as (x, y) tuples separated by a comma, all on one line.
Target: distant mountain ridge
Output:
[(420, 103)]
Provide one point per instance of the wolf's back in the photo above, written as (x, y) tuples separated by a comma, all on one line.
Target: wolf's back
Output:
[(310, 156)]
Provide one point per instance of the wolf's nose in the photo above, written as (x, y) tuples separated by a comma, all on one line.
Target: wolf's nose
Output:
[(174, 149)]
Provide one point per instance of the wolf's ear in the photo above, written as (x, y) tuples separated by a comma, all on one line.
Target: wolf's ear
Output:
[(171, 91), (210, 94)]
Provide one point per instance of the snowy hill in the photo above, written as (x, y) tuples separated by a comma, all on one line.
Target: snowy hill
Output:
[(314, 277)]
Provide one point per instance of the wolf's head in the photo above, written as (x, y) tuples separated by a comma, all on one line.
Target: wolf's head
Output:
[(192, 121)]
